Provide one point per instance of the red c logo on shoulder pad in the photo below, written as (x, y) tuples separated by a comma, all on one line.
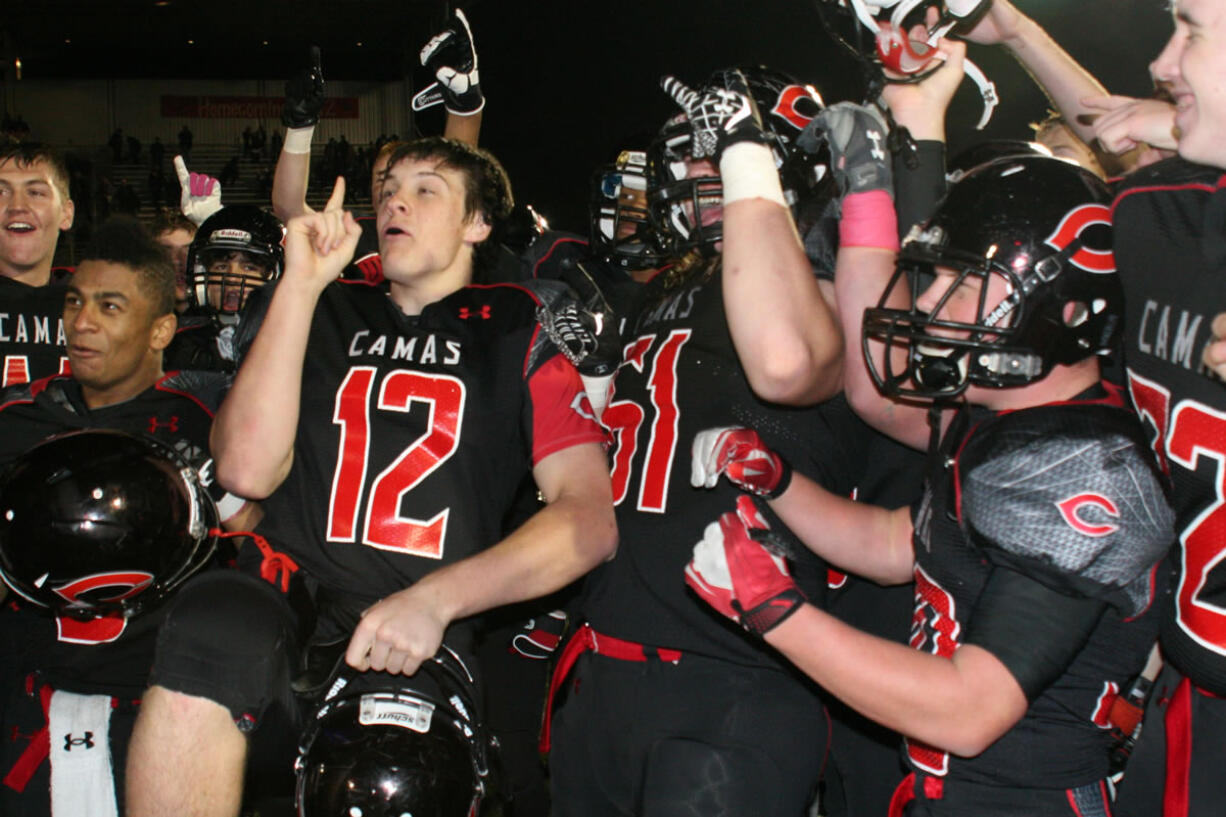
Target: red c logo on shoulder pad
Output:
[(1070, 509)]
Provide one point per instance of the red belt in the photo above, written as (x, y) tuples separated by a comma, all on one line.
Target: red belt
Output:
[(39, 747), (585, 639), (934, 789)]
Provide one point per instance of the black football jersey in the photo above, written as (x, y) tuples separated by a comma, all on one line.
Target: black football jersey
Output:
[(104, 655), (31, 332), (680, 375), (1069, 496), (366, 265), (1170, 247), (416, 431)]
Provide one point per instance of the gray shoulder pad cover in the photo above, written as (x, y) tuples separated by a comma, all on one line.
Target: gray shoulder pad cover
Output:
[(1070, 495)]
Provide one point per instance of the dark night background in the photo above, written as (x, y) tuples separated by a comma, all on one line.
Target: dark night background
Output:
[(568, 82)]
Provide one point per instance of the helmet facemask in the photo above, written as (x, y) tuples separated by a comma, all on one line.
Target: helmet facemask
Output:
[(219, 287), (621, 230)]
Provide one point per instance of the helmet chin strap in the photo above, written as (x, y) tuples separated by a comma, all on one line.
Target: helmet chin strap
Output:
[(1009, 364)]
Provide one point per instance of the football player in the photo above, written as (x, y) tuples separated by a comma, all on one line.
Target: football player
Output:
[(236, 251), (118, 317), (450, 55), (34, 208), (667, 709), (1169, 250), (389, 429), (1035, 548)]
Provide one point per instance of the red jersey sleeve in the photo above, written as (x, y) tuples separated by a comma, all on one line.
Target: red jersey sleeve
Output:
[(561, 414)]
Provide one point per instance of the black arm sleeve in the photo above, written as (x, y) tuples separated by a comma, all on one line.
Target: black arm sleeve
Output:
[(919, 183), (1034, 630)]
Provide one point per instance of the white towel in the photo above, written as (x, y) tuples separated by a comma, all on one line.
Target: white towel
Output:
[(82, 781)]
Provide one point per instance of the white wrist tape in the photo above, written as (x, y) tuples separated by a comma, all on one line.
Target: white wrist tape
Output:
[(748, 172), (298, 140)]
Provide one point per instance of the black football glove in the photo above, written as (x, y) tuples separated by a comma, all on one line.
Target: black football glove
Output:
[(452, 58), (604, 358), (856, 135), (304, 95), (719, 117), (579, 321)]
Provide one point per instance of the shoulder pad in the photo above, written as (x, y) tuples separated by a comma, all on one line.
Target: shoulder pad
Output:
[(550, 293), (545, 256), (17, 393), (1071, 496), (188, 323), (207, 387)]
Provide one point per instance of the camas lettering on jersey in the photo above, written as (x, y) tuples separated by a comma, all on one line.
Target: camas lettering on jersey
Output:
[(673, 308), (1170, 333), (17, 327), (425, 350)]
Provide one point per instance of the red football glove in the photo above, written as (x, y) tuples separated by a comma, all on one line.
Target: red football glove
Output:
[(734, 572), (741, 454)]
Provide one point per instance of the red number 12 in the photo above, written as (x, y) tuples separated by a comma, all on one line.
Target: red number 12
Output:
[(384, 527)]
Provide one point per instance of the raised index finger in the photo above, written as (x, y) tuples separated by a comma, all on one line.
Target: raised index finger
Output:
[(337, 199)]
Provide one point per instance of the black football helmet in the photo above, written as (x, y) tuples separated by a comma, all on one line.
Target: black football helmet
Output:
[(102, 522), (1041, 228), (621, 231), (238, 228), (678, 205), (989, 151), (387, 746)]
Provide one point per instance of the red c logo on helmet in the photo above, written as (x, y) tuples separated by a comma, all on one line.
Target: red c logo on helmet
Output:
[(132, 582), (104, 628), (1074, 223), (1070, 508), (786, 105)]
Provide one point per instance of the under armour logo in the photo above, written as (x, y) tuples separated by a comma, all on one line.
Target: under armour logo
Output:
[(874, 136), (172, 424), (70, 741), (483, 313)]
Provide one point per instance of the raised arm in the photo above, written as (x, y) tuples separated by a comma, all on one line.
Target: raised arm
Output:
[(304, 100), (868, 238), (1060, 76), (785, 334), (253, 434), (451, 56)]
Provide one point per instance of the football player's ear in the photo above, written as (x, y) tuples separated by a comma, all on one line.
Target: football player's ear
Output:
[(69, 213), (163, 331), (477, 229)]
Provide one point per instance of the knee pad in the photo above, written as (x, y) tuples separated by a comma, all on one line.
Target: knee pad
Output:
[(228, 637)]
